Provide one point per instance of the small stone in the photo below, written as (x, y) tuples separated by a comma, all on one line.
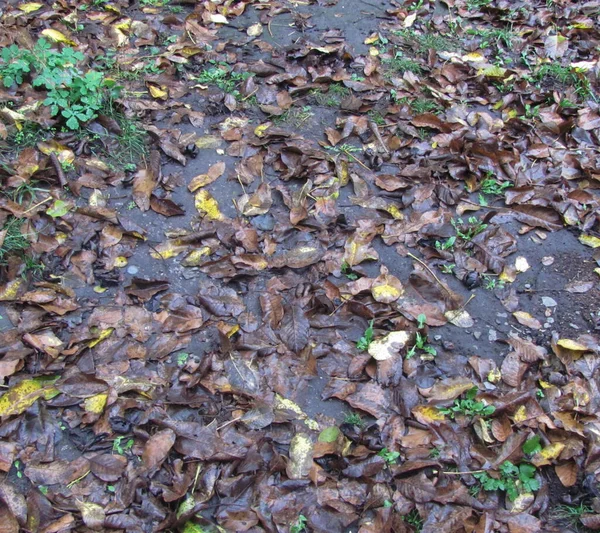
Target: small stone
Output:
[(502, 315), (549, 302), (528, 285), (132, 269), (477, 334), (498, 321), (492, 335), (448, 345), (437, 338), (547, 325), (574, 326), (551, 320)]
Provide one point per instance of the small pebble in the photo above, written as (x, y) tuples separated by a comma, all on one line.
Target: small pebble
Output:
[(492, 335), (502, 315), (549, 302), (551, 320), (448, 345), (574, 326), (547, 325), (132, 269), (437, 337), (528, 285), (477, 334)]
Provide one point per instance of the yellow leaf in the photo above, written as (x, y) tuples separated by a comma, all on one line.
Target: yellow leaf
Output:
[(572, 345), (99, 289), (158, 92), (196, 257), (168, 249), (395, 212), (374, 52), (494, 376), (589, 240), (30, 7), (372, 39), (96, 404), (492, 72), (260, 130), (385, 293), (597, 271), (120, 262), (427, 414), (473, 57), (548, 454), (24, 394), (104, 334), (57, 37), (520, 415), (206, 204)]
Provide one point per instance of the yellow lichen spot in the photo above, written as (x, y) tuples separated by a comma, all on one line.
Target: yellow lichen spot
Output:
[(10, 290), (196, 257), (312, 424), (589, 240), (96, 404), (30, 7), (207, 205)]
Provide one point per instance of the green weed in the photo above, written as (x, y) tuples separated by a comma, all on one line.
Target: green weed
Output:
[(423, 42), (414, 519), (496, 36), (221, 75), (364, 342), (476, 5), (468, 406), (570, 515), (448, 244), (467, 230), (493, 187), (399, 64), (388, 456), (74, 95), (448, 269), (491, 283), (332, 97), (346, 270), (296, 116), (556, 74), (421, 345), (122, 448), (14, 241), (299, 525), (513, 479)]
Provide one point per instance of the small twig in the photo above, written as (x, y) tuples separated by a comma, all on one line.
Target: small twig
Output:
[(464, 473), (358, 161), (37, 205), (229, 422), (375, 131), (61, 174), (432, 273)]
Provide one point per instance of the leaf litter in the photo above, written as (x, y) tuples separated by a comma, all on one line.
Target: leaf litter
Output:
[(248, 262)]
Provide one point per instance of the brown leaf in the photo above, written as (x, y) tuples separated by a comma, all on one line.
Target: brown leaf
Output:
[(157, 448), (108, 467), (165, 207), (295, 328), (567, 473), (144, 182), (579, 287), (212, 174), (449, 389)]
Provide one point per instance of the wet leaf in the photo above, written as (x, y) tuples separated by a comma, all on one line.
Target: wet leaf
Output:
[(23, 395)]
